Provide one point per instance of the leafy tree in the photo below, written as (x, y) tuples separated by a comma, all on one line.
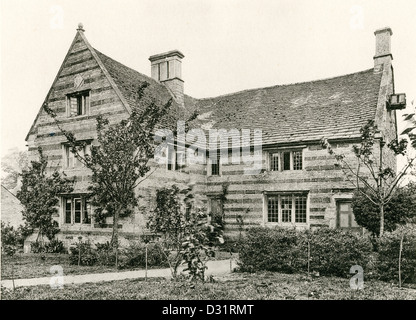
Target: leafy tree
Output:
[(399, 210), (120, 160), (39, 196), (12, 165), (184, 230), (377, 182)]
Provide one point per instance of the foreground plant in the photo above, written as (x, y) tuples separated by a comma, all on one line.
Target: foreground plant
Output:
[(185, 231)]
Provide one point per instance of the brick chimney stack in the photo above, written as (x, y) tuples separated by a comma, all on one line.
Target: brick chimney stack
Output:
[(167, 69), (383, 51)]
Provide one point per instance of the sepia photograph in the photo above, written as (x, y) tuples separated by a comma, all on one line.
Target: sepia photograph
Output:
[(209, 156)]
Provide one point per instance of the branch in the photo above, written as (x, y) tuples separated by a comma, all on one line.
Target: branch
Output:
[(397, 179)]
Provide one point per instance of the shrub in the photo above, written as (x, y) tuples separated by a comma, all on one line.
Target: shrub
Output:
[(37, 247), (105, 254), (387, 265), (10, 239), (83, 254), (135, 256), (333, 251), (270, 249), (55, 246)]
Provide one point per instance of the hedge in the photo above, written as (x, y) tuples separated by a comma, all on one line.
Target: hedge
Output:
[(332, 251)]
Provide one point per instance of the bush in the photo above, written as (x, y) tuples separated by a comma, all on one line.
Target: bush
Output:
[(333, 251), (387, 265), (105, 254), (135, 256), (55, 246), (83, 254), (10, 239), (37, 247), (270, 249)]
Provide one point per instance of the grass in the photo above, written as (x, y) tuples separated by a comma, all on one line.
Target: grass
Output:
[(236, 286), (31, 265)]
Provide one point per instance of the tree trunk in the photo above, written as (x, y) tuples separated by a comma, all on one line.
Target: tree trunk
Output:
[(381, 219), (115, 233)]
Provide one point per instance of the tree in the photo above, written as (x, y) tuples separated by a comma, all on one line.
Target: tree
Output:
[(401, 209), (120, 160), (39, 196), (12, 165), (377, 182), (185, 231)]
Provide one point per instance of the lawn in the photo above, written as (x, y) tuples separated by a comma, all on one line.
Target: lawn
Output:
[(33, 266), (236, 286), (30, 265)]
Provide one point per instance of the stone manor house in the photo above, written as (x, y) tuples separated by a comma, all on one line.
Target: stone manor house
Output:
[(298, 184)]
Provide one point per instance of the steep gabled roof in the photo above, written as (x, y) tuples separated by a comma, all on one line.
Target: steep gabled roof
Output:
[(335, 108), (124, 80)]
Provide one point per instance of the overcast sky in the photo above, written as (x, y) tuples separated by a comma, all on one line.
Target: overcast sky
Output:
[(228, 45)]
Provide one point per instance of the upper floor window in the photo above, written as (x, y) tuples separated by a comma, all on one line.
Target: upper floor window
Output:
[(70, 160), (214, 165), (78, 104), (286, 160), (286, 208), (176, 160)]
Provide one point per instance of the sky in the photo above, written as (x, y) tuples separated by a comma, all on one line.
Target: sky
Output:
[(229, 45)]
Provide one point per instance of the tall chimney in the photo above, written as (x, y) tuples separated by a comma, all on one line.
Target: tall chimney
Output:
[(167, 69), (383, 53)]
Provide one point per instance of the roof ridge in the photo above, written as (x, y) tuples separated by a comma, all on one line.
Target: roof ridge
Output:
[(284, 85)]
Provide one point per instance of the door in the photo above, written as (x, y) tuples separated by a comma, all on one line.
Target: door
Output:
[(345, 216)]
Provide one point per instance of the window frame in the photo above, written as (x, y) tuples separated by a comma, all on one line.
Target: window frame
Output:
[(85, 214), (85, 98), (69, 155), (293, 208), (280, 153)]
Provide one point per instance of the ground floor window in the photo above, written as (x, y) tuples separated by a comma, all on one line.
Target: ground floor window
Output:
[(286, 208), (77, 209), (345, 215), (215, 209)]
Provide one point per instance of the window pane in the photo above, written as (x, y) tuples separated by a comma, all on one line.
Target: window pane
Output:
[(87, 212), (274, 162), (79, 105), (286, 160), (215, 165), (87, 104), (68, 207), (300, 209), (297, 160), (70, 158), (272, 209), (286, 207), (77, 206), (73, 106)]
